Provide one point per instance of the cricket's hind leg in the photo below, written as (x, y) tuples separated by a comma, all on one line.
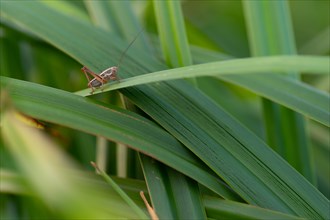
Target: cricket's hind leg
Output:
[(85, 70), (97, 79)]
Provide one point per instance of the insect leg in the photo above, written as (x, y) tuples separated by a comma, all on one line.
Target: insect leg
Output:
[(87, 71), (96, 76), (84, 70)]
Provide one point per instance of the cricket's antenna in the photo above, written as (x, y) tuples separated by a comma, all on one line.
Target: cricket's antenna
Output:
[(130, 44)]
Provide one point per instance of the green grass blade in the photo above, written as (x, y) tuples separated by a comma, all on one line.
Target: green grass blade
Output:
[(99, 14), (115, 124), (172, 193), (187, 196), (223, 209), (127, 22), (69, 9), (262, 65), (271, 33), (265, 21), (158, 188), (291, 93), (122, 194), (301, 91), (295, 95), (117, 16), (172, 33)]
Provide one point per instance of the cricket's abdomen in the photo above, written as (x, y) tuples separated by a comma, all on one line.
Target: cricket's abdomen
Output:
[(95, 83)]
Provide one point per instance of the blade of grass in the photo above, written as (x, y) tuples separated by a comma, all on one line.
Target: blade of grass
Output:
[(308, 101), (248, 66), (113, 123), (68, 8), (172, 33), (247, 82), (98, 12), (224, 209), (128, 23), (122, 194), (158, 188), (271, 33), (293, 94), (172, 193), (187, 196)]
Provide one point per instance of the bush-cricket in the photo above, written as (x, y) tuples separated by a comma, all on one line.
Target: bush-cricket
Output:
[(108, 74)]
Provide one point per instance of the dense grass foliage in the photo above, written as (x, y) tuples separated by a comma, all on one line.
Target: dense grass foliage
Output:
[(221, 110)]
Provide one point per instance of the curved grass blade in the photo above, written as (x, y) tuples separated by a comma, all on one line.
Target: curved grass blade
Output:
[(250, 66), (115, 124), (122, 194), (222, 209), (293, 94)]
